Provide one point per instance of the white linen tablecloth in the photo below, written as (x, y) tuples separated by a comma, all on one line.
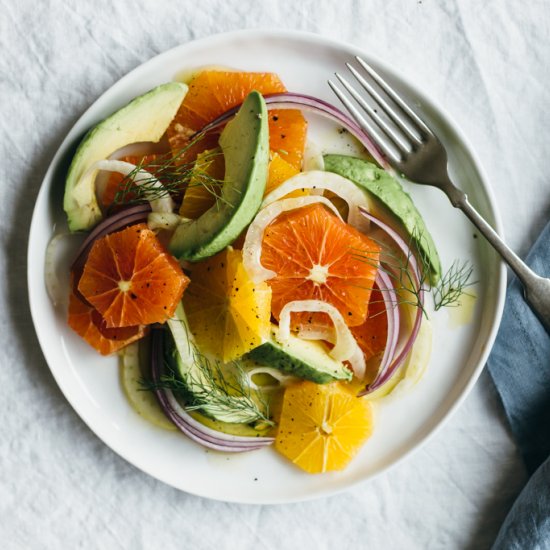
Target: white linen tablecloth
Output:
[(60, 486)]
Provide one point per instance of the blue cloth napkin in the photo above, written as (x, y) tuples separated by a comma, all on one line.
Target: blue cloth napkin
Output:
[(520, 367)]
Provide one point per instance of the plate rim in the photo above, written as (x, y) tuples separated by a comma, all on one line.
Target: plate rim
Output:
[(252, 34)]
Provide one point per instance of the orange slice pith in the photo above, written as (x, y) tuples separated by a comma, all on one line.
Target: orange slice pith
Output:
[(318, 256), (322, 427), (86, 322), (131, 279), (211, 93)]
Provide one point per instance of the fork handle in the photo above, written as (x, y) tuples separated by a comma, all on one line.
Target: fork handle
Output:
[(536, 288)]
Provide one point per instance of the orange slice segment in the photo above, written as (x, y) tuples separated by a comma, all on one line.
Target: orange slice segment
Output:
[(372, 334), (287, 135), (131, 279), (211, 93), (279, 171)]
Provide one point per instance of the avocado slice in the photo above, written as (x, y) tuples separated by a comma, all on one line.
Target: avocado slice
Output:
[(303, 358), (245, 145), (144, 119), (202, 391), (390, 193)]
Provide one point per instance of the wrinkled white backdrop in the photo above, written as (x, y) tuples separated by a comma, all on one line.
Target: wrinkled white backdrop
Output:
[(60, 487)]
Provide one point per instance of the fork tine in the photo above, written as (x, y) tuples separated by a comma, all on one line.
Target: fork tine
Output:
[(381, 140), (413, 117), (391, 130)]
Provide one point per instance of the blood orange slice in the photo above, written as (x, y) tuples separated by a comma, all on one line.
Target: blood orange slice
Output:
[(131, 279), (318, 256), (371, 335), (89, 324)]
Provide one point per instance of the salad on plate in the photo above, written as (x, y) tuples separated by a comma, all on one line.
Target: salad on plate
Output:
[(259, 289)]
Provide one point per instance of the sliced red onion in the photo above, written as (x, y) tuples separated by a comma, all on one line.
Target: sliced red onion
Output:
[(384, 284), (385, 374), (290, 100), (207, 437)]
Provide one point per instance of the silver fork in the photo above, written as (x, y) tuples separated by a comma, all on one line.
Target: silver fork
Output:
[(413, 150)]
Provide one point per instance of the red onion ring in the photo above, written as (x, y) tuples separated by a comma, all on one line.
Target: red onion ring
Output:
[(290, 100), (192, 428), (385, 375), (385, 285)]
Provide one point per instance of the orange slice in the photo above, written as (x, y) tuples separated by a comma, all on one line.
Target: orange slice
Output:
[(280, 170), (211, 93), (131, 279), (228, 314), (322, 426), (89, 324), (372, 334), (318, 256), (205, 184), (287, 135)]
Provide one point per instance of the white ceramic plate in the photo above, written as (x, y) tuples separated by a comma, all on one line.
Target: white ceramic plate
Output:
[(91, 384)]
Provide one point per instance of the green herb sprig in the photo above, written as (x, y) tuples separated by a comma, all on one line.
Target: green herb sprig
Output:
[(175, 174), (217, 389), (452, 285), (446, 293)]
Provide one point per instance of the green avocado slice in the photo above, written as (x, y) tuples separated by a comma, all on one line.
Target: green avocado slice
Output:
[(144, 119), (305, 359), (181, 352), (392, 195), (245, 145)]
